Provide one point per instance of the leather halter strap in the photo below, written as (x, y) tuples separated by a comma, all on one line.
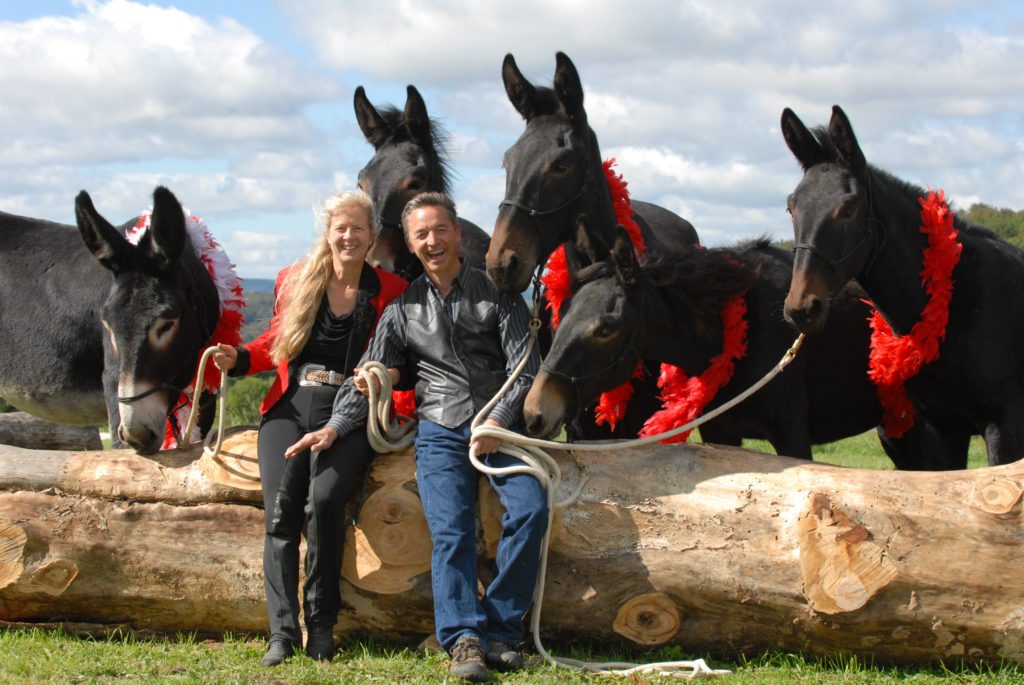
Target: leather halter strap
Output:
[(534, 212)]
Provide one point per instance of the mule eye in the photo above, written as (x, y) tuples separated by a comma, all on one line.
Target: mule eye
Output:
[(846, 210), (416, 185), (160, 333), (605, 330)]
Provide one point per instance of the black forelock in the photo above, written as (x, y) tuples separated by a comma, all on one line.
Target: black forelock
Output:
[(438, 155), (546, 101)]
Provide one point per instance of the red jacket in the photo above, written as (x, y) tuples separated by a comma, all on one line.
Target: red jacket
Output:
[(391, 286)]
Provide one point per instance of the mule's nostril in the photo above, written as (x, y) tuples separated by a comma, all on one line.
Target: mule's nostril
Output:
[(534, 424), (814, 309), (512, 264)]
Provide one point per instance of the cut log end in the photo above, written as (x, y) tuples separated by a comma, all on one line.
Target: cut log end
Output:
[(649, 619)]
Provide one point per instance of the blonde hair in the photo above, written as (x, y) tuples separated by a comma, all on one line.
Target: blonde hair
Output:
[(300, 294)]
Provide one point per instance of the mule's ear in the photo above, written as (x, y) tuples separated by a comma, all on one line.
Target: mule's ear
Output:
[(569, 89), (371, 123), (624, 257), (521, 92), (416, 118), (802, 143), (164, 241), (841, 131), (106, 243), (587, 243)]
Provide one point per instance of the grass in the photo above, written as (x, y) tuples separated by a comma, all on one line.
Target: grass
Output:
[(42, 657)]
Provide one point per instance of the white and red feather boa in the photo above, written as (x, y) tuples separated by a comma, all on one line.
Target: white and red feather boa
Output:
[(683, 398), (229, 324), (895, 359)]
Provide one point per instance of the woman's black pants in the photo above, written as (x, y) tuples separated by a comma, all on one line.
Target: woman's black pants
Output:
[(308, 490)]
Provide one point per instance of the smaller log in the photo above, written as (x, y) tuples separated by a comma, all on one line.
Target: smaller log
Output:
[(24, 430)]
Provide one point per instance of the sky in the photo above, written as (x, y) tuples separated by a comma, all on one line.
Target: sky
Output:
[(244, 108)]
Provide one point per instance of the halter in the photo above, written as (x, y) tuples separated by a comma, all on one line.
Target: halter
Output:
[(200, 314), (629, 350), (834, 264), (534, 212)]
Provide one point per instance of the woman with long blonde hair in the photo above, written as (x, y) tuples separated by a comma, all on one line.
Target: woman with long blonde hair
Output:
[(325, 310)]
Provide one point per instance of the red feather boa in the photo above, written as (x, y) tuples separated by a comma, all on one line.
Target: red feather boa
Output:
[(683, 398), (896, 359), (611, 406)]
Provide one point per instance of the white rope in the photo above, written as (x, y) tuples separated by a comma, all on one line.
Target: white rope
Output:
[(193, 415), (386, 435)]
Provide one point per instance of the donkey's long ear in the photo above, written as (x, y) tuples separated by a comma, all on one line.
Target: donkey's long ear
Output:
[(588, 243), (371, 123), (106, 243), (416, 118), (841, 131), (624, 257), (569, 89), (801, 141), (164, 241), (521, 92)]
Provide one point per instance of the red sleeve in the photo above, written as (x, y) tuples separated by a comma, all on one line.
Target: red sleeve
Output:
[(259, 349), (391, 286)]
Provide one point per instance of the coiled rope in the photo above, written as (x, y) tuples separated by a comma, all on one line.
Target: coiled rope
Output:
[(390, 435)]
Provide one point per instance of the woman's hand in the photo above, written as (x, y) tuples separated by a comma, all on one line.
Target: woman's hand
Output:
[(363, 387), (225, 357), (317, 441)]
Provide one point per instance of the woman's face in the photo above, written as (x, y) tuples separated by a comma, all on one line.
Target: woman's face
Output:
[(349, 234)]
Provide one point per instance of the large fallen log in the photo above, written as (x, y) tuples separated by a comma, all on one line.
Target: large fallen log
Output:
[(24, 430), (715, 549)]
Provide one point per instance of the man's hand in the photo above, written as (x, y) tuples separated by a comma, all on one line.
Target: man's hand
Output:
[(486, 444), (225, 357), (364, 388), (316, 441)]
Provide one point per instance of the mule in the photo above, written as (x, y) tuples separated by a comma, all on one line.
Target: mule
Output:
[(853, 221), (554, 174), (82, 325), (669, 308), (409, 158)]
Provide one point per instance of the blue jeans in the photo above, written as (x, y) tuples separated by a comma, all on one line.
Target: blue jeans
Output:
[(447, 483)]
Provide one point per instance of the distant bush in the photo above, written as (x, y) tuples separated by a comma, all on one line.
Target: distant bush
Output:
[(1008, 224), (4, 407), (244, 397)]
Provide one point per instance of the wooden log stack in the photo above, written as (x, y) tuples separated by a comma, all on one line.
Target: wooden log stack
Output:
[(716, 549)]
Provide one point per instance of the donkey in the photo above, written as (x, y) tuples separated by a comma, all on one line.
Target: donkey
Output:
[(105, 331), (851, 221), (409, 158), (553, 174), (670, 309)]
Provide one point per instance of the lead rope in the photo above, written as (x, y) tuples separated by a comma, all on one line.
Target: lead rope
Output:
[(391, 435), (544, 468)]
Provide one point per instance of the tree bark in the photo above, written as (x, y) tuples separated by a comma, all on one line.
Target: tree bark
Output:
[(24, 430), (716, 549)]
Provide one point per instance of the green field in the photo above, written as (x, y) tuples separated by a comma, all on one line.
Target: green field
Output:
[(43, 657)]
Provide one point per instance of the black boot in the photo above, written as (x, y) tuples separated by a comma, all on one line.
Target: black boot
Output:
[(279, 651), (320, 644)]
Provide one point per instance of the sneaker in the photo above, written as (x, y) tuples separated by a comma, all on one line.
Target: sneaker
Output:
[(320, 644), (468, 660), (279, 651), (503, 658)]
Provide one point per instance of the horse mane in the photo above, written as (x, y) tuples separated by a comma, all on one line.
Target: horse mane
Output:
[(545, 101), (437, 155), (704, 280), (701, 280), (897, 184)]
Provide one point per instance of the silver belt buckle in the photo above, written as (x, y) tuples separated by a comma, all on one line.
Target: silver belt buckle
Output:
[(310, 367)]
